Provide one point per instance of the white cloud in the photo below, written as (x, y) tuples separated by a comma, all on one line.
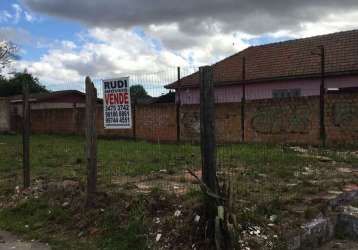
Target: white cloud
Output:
[(18, 12), (183, 38), (15, 35), (29, 17), (194, 17), (113, 53), (331, 23), (5, 16), (69, 45), (124, 52)]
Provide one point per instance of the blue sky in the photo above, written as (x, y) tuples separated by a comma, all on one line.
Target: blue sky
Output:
[(62, 41), (43, 29)]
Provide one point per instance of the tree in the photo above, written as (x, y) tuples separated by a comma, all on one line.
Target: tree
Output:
[(13, 86), (7, 53), (137, 91)]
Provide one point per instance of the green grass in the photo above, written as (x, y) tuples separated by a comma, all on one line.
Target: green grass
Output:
[(271, 179), (36, 220), (55, 157), (64, 156), (122, 237), (275, 160)]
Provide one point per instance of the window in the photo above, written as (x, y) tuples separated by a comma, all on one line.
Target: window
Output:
[(284, 93)]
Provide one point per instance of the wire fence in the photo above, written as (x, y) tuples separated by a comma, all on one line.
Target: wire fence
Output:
[(271, 167)]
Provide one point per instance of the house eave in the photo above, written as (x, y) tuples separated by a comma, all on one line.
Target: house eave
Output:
[(270, 79)]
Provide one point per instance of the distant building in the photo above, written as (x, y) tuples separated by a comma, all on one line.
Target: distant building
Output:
[(278, 70), (52, 100)]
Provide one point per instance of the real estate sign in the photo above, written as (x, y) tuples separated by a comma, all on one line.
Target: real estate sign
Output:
[(117, 104)]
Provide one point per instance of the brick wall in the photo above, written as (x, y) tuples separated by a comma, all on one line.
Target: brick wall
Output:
[(156, 122), (342, 118), (271, 121), (293, 121), (70, 121), (4, 115), (53, 121), (283, 120), (152, 122), (111, 133), (227, 124)]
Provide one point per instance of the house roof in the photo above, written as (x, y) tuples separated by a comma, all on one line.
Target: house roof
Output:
[(47, 96), (165, 98), (286, 60)]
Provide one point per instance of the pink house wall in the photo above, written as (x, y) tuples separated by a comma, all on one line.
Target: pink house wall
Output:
[(226, 94)]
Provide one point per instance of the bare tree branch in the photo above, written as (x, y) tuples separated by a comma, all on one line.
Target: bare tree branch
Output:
[(7, 53), (204, 188)]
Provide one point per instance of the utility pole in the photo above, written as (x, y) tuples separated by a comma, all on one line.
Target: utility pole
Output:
[(322, 93)]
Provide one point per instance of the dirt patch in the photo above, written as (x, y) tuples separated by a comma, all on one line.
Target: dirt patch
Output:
[(10, 241), (146, 211), (340, 244)]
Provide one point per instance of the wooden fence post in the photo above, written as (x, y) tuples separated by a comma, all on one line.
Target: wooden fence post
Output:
[(178, 103), (243, 99), (208, 143), (91, 141), (26, 133)]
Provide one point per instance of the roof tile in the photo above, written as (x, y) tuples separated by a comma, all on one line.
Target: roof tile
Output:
[(287, 59)]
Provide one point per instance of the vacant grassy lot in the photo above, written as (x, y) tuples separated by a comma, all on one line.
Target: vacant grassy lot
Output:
[(256, 171), (289, 184), (63, 157)]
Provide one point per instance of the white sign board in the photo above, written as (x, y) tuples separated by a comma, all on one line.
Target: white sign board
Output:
[(117, 104)]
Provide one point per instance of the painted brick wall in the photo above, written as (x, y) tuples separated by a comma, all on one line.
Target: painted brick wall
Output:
[(294, 121), (283, 120), (4, 115), (227, 124), (271, 121), (190, 123), (342, 119)]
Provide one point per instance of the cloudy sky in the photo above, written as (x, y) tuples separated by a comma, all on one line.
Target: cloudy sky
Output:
[(61, 41)]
